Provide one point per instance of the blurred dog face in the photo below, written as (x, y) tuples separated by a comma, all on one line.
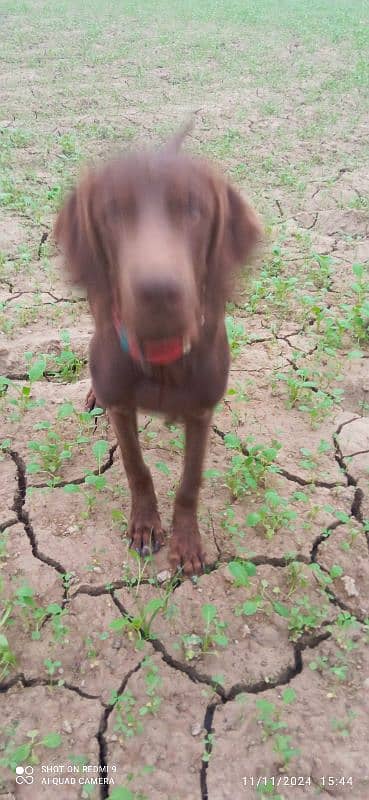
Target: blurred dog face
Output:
[(159, 234)]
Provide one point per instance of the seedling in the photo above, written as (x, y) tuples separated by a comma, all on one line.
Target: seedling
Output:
[(251, 606), (320, 271), (250, 466), (97, 482), (213, 633), (239, 394), (153, 681), (26, 753), (237, 338), (266, 790), (310, 460), (127, 721), (7, 657), (270, 719), (296, 577), (177, 441), (209, 741), (192, 646), (241, 572), (22, 400), (34, 616), (345, 624), (274, 514), (195, 645), (52, 454), (51, 666), (303, 617), (358, 314), (67, 580), (282, 747), (322, 664), (100, 449), (138, 627), (123, 793)]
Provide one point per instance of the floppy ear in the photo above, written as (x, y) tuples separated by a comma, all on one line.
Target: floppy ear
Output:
[(242, 230), (77, 232), (236, 232)]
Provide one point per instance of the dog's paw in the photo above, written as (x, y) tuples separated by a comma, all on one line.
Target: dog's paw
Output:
[(185, 549), (145, 532)]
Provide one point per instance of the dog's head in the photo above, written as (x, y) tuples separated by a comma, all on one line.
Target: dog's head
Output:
[(155, 238)]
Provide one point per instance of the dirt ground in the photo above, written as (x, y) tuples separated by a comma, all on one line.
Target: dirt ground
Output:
[(116, 679)]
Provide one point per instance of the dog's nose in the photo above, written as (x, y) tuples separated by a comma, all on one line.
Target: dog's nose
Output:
[(155, 291)]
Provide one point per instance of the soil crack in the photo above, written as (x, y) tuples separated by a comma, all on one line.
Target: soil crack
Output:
[(285, 677), (23, 516), (101, 734), (28, 683)]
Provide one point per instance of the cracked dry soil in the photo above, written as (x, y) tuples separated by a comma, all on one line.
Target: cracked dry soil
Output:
[(274, 701)]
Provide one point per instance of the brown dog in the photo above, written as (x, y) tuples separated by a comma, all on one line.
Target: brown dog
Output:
[(155, 239)]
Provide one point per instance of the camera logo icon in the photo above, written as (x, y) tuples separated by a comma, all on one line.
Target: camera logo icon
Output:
[(24, 774)]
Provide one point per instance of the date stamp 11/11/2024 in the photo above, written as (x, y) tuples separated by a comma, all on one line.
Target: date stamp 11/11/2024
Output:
[(292, 781)]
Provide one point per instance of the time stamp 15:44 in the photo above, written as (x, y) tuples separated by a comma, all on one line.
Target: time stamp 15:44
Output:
[(323, 781)]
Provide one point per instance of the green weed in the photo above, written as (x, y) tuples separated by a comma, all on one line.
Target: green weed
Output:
[(68, 364), (26, 753), (250, 466), (272, 515), (213, 636)]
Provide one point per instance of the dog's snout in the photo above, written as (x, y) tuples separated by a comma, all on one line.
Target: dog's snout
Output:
[(156, 291)]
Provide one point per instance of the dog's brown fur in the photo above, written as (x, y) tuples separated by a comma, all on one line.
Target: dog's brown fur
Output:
[(157, 237)]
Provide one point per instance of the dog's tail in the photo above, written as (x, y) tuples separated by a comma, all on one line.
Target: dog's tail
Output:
[(174, 144)]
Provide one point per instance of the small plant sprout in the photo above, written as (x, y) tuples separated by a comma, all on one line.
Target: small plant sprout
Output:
[(127, 720), (241, 572), (34, 616), (27, 753), (138, 626), (153, 682), (195, 645), (7, 657), (68, 364), (272, 515), (269, 717), (209, 741), (50, 454), (22, 401), (237, 338), (51, 666), (296, 577), (303, 617), (128, 712), (213, 632), (95, 481), (250, 466)]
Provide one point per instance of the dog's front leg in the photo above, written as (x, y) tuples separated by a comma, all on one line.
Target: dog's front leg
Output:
[(145, 530), (185, 546)]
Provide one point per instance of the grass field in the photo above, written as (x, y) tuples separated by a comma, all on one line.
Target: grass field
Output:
[(252, 681)]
